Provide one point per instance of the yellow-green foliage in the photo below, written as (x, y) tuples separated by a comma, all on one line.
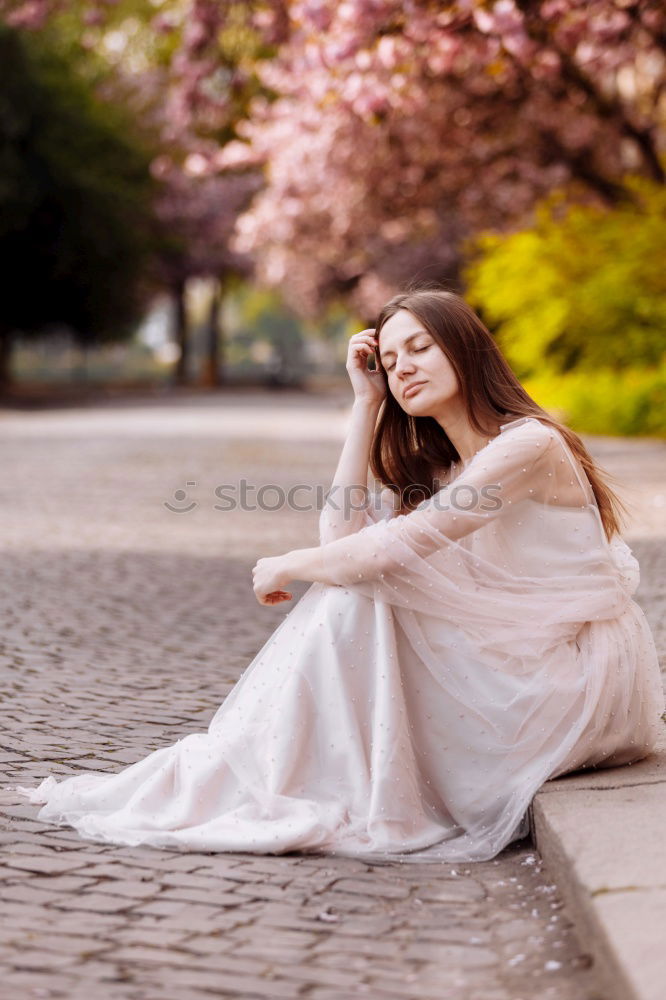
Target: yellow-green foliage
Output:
[(629, 402), (584, 288), (578, 305)]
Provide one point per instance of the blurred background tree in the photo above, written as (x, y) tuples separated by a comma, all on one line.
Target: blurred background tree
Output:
[(75, 197), (137, 63)]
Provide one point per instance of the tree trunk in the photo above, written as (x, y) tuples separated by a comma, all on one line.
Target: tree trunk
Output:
[(212, 376), (6, 344), (180, 373)]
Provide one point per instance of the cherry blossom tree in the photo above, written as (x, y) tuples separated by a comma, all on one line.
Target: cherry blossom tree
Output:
[(403, 127), (391, 130)]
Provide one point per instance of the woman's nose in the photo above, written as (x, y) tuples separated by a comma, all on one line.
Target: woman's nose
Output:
[(404, 366)]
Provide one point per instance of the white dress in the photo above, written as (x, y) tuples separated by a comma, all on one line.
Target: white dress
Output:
[(409, 707)]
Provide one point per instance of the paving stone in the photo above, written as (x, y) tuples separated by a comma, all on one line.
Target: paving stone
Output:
[(164, 908), (207, 897), (458, 892), (198, 882), (45, 864), (459, 956), (96, 902), (365, 886), (28, 958), (130, 889), (27, 893), (215, 943), (60, 883), (228, 984)]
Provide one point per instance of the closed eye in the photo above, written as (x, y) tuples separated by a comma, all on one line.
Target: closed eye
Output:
[(417, 350)]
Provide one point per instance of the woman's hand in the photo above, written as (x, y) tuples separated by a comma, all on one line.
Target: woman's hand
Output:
[(269, 578), (368, 386)]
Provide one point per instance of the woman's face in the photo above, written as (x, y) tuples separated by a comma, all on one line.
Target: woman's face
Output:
[(410, 355)]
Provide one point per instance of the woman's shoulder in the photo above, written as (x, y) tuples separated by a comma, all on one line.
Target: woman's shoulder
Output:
[(530, 426), (526, 435), (531, 434)]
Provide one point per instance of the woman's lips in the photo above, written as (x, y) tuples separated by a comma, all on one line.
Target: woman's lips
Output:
[(412, 390)]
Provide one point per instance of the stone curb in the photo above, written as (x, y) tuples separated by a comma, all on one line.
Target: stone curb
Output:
[(602, 836)]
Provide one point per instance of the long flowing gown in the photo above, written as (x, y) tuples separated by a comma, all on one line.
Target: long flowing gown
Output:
[(409, 707)]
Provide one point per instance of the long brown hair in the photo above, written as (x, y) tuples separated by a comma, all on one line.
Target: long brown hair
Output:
[(409, 452)]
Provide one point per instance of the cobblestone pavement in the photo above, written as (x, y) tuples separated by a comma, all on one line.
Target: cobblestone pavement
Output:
[(125, 625)]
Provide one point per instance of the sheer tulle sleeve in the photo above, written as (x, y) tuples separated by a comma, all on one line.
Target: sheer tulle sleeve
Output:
[(512, 545), (337, 521)]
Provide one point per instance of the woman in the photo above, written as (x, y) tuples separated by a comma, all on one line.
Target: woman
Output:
[(449, 657)]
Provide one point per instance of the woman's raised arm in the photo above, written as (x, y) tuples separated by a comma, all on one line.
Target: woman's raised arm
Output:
[(342, 513)]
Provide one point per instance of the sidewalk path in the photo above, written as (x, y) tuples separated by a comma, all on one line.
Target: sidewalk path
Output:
[(125, 625)]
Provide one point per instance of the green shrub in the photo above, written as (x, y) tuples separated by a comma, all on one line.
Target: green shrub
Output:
[(584, 287), (578, 305), (608, 402)]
